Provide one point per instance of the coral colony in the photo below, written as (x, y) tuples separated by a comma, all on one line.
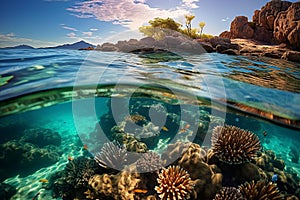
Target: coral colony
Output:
[(130, 167)]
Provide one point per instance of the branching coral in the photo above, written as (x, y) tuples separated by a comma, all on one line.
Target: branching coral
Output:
[(260, 190), (74, 177), (174, 184), (229, 193), (112, 156), (233, 145), (149, 162)]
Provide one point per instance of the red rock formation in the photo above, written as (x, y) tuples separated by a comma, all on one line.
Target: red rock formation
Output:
[(287, 26), (276, 22), (240, 28)]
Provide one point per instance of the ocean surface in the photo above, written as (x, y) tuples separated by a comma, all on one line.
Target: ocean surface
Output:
[(59, 107)]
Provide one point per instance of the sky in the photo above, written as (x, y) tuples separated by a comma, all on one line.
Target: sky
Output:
[(42, 23)]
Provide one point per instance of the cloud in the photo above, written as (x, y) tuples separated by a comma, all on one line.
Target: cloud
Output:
[(190, 3), (89, 34), (225, 19), (128, 13), (68, 27), (11, 39), (71, 35), (93, 29)]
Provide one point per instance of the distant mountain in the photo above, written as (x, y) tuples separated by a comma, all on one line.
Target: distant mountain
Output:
[(23, 46), (77, 45)]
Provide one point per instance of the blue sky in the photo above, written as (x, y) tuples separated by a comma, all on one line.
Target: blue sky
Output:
[(51, 22)]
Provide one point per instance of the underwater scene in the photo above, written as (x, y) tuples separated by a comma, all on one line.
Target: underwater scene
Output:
[(158, 125)]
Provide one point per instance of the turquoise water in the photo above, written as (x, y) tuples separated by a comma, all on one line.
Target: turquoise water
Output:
[(59, 107)]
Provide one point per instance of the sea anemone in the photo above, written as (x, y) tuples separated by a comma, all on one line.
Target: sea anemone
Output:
[(233, 145), (260, 190), (149, 162), (112, 155), (229, 193), (174, 184)]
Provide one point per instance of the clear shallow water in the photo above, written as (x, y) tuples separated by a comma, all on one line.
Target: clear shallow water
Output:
[(42, 92)]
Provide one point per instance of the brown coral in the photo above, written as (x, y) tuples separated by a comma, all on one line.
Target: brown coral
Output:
[(127, 182), (149, 162), (194, 159), (260, 190), (101, 185), (112, 156), (233, 145), (229, 193), (174, 184), (135, 118)]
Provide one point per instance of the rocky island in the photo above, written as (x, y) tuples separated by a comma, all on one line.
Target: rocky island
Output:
[(273, 32)]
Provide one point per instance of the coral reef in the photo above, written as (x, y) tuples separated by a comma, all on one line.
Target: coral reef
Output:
[(194, 159), (174, 183), (101, 186), (233, 145), (149, 162), (260, 190), (112, 155), (288, 180), (41, 137), (147, 132), (174, 152), (130, 142), (25, 158), (229, 193), (127, 182), (72, 182)]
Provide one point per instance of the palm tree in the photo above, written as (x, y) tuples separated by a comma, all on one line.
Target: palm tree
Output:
[(188, 23), (201, 25)]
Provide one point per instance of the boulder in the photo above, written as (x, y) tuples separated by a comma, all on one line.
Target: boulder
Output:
[(207, 46), (230, 52), (108, 47), (240, 28), (292, 56), (225, 34), (287, 26), (268, 13), (294, 37), (263, 35)]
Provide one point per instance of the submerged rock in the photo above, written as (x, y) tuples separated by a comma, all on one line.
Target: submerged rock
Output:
[(25, 158), (41, 137), (7, 191)]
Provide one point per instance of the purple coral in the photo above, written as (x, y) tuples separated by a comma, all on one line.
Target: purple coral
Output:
[(149, 162), (112, 155)]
